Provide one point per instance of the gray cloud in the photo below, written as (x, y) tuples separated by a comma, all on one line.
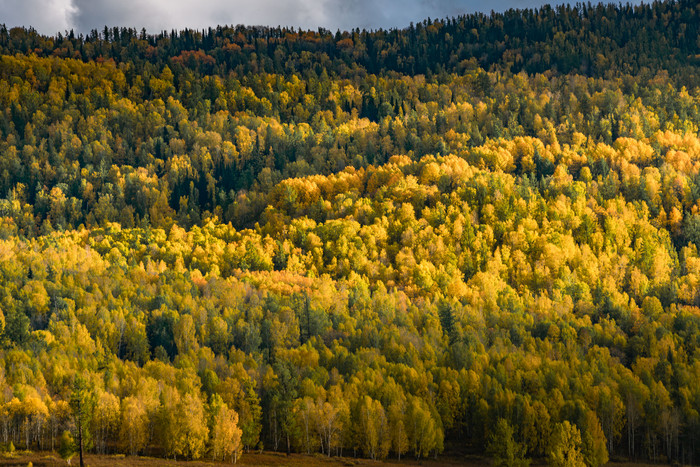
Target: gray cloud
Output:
[(46, 16), (157, 15), (51, 16)]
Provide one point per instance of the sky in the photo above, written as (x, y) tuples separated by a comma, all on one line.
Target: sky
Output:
[(52, 16)]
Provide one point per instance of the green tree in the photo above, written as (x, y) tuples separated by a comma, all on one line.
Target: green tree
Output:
[(17, 327), (503, 448), (82, 403), (66, 447)]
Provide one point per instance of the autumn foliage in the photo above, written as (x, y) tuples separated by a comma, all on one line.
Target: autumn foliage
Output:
[(363, 244)]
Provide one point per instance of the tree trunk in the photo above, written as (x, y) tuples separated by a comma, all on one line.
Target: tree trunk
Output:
[(80, 442)]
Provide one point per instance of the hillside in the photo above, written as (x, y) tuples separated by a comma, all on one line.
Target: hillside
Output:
[(475, 235)]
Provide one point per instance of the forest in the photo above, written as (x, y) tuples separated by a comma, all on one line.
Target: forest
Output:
[(473, 236)]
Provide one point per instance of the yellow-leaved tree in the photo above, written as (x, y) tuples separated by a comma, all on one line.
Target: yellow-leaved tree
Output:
[(106, 420), (565, 446), (193, 431), (133, 433), (225, 434)]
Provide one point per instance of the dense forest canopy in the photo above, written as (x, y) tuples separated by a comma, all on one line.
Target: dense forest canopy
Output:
[(590, 39), (477, 235)]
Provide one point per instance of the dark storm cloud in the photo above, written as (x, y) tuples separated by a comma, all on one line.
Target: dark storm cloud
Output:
[(50, 16)]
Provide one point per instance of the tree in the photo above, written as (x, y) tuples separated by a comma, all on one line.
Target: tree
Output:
[(169, 421), (375, 441), (252, 424), (59, 413), (565, 446), (66, 447), (594, 449), (225, 434), (282, 394), (82, 402), (506, 452), (612, 415), (193, 430), (17, 327), (397, 426), (330, 417), (35, 413), (424, 433), (106, 420), (304, 414), (239, 393), (184, 334), (182, 424), (133, 429), (536, 429)]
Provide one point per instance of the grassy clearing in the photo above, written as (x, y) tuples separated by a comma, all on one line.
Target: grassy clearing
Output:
[(44, 459)]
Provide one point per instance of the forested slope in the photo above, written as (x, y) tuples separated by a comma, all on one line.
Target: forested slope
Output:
[(473, 233)]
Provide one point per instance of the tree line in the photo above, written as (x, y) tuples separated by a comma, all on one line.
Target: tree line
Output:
[(587, 39)]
